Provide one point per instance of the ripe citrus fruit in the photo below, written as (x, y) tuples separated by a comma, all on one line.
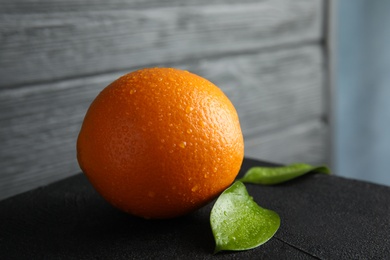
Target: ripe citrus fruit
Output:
[(160, 142)]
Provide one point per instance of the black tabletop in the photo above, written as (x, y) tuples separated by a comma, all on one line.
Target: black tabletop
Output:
[(322, 217)]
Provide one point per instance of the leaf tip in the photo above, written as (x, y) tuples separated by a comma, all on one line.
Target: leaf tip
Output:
[(217, 250)]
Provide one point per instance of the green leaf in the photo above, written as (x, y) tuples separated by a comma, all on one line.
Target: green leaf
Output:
[(276, 175), (238, 223)]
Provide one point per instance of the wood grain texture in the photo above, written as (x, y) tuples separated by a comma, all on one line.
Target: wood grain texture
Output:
[(304, 142), (273, 93), (43, 41)]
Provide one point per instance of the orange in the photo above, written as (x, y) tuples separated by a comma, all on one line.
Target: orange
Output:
[(160, 142)]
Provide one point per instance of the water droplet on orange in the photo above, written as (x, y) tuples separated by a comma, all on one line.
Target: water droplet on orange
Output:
[(189, 109)]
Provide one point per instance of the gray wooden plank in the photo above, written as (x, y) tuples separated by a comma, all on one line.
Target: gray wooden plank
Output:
[(304, 142), (272, 91), (38, 46), (39, 6)]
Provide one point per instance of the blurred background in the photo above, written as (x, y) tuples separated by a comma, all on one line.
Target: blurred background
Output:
[(307, 77), (362, 90)]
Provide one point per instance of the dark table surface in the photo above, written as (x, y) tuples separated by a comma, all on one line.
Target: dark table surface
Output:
[(322, 217)]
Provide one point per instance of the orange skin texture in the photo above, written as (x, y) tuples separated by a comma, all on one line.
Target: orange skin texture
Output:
[(160, 143)]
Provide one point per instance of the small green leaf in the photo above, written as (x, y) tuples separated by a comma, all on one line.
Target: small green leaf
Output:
[(238, 223), (276, 175)]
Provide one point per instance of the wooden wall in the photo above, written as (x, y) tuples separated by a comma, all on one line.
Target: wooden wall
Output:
[(56, 55)]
